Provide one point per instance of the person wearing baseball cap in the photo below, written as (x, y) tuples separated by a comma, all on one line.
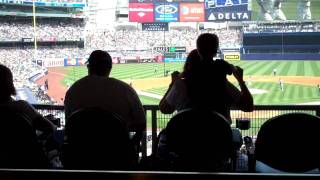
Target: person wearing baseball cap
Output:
[(97, 89)]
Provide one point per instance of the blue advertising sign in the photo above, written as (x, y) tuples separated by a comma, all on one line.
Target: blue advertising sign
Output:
[(212, 15), (229, 4), (166, 12), (168, 60), (227, 10)]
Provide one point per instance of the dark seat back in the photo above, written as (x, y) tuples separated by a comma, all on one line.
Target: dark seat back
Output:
[(201, 139), (290, 142), (96, 139), (19, 145)]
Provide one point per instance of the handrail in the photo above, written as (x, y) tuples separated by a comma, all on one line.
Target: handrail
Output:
[(159, 122), (256, 107), (146, 175)]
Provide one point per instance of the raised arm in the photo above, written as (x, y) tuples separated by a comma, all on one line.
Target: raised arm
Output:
[(245, 101), (164, 106)]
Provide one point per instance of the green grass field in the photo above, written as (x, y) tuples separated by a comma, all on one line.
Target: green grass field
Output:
[(292, 94), (289, 8)]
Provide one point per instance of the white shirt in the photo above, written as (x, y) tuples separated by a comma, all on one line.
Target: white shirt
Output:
[(107, 93)]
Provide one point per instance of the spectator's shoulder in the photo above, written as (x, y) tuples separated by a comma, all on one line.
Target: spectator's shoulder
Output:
[(224, 65), (21, 102), (120, 83), (78, 83)]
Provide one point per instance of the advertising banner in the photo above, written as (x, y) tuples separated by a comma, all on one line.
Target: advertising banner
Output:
[(166, 12), (227, 10), (231, 56), (169, 60), (115, 60), (158, 26), (81, 61), (141, 12), (140, 1), (74, 61), (53, 62), (211, 15), (70, 62), (177, 49), (227, 5), (194, 1), (192, 12), (161, 49)]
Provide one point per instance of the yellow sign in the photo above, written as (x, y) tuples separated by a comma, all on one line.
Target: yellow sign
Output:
[(231, 56)]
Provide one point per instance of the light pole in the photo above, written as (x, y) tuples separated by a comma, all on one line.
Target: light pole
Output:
[(34, 30), (164, 43)]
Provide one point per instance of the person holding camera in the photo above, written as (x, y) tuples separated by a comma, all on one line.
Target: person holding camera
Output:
[(203, 83)]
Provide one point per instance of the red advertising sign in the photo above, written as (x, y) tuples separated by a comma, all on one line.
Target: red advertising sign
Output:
[(141, 12), (192, 12)]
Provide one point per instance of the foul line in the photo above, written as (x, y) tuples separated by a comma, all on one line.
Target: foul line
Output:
[(156, 96)]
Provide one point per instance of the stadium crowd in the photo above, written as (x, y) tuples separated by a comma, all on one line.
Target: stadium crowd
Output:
[(121, 40), (129, 42), (24, 71), (16, 29)]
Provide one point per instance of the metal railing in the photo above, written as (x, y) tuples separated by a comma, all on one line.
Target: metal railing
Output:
[(156, 121)]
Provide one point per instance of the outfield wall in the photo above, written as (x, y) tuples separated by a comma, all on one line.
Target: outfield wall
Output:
[(264, 56)]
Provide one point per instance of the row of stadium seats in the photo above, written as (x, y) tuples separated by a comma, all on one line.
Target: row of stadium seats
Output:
[(195, 141)]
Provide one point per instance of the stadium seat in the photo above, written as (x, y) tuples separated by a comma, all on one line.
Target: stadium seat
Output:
[(19, 146), (289, 143), (97, 139), (201, 141)]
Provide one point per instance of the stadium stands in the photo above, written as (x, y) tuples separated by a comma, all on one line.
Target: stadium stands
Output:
[(46, 29)]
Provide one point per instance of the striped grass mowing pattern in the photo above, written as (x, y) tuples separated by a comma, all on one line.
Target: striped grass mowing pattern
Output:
[(147, 70), (127, 71), (293, 93)]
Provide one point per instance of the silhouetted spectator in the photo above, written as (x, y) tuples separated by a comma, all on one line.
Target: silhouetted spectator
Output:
[(7, 90), (97, 89), (44, 128), (203, 83)]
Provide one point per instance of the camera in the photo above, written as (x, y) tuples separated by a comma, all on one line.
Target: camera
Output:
[(243, 123), (54, 120)]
